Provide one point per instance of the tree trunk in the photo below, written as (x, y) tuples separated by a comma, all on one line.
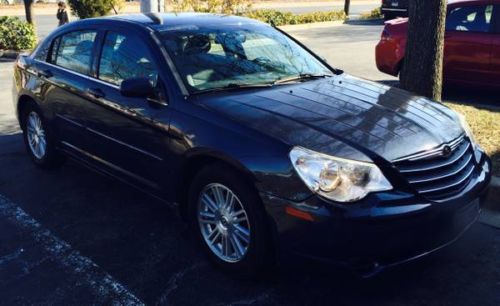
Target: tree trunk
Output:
[(422, 71), (28, 9), (347, 6)]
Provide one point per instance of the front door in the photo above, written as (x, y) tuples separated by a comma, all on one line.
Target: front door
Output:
[(468, 44), (125, 133)]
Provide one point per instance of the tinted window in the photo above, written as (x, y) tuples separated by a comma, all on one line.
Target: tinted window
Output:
[(470, 19), (124, 57), (75, 50)]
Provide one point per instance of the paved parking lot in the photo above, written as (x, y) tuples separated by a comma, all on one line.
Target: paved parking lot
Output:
[(72, 236)]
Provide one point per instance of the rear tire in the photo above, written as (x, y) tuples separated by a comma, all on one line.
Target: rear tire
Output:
[(39, 140), (213, 218)]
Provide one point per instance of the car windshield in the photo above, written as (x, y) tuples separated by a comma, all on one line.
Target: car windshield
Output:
[(238, 56)]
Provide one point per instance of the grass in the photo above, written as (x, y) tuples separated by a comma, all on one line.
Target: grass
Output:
[(486, 127)]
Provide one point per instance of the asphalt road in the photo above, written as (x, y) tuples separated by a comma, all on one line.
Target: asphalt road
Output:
[(72, 236)]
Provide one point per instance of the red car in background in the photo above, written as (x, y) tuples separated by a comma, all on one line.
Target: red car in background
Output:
[(472, 44)]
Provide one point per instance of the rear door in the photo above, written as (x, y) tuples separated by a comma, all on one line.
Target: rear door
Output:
[(495, 53), (468, 44), (66, 75)]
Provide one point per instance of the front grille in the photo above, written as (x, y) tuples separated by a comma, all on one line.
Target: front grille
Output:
[(440, 177)]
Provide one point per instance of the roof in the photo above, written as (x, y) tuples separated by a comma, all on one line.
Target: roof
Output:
[(181, 19)]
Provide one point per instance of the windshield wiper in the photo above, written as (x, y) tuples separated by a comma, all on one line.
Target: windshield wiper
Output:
[(233, 86), (301, 77)]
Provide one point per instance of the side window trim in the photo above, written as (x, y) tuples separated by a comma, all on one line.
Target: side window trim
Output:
[(53, 53), (96, 54), (102, 42)]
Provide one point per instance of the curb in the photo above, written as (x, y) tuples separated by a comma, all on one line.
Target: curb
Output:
[(11, 54), (315, 25)]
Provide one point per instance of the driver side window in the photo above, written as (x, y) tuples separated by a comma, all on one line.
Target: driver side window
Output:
[(125, 57)]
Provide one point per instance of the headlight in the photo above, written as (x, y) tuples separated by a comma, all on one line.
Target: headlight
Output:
[(468, 131), (338, 179)]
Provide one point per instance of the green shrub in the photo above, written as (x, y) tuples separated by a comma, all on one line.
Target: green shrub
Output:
[(279, 18), (94, 8), (212, 6), (16, 34)]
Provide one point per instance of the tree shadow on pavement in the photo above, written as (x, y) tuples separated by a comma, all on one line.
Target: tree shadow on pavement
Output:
[(477, 97), (480, 98)]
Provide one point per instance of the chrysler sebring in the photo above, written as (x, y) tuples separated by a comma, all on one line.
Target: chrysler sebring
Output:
[(262, 146)]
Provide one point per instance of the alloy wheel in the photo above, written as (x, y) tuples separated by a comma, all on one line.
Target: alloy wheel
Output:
[(37, 139), (224, 223)]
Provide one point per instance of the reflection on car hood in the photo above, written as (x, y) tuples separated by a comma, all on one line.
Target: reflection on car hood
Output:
[(326, 115)]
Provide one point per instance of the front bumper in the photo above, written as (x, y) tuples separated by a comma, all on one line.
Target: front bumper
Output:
[(383, 230)]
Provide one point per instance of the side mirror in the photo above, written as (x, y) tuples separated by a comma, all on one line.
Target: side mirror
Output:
[(137, 88)]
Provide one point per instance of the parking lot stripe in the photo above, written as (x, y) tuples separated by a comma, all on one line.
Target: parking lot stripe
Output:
[(105, 287)]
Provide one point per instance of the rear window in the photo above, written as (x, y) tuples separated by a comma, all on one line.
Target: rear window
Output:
[(74, 51)]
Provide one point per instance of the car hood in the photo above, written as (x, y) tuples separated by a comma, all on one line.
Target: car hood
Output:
[(343, 116)]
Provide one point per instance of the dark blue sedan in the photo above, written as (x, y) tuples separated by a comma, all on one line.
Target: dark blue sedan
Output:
[(262, 145)]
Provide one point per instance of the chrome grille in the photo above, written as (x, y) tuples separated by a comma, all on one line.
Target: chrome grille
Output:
[(440, 177)]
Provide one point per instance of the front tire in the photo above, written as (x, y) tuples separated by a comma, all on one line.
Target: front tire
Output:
[(39, 141), (229, 222)]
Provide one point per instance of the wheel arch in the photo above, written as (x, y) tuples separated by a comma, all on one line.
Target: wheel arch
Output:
[(23, 101), (196, 161)]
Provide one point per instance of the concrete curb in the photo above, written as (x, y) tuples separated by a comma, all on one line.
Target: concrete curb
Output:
[(10, 54), (316, 25)]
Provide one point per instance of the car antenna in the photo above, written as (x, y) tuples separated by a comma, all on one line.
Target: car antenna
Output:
[(155, 17)]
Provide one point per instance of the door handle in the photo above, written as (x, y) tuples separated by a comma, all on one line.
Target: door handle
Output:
[(44, 74), (95, 92)]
